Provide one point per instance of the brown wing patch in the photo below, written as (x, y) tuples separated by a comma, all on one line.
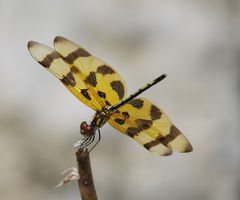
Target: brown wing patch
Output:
[(46, 62), (74, 55), (136, 103), (120, 121), (118, 87), (91, 79), (132, 131), (174, 132), (85, 93), (143, 124), (155, 112), (101, 94), (126, 115), (69, 79), (107, 103), (104, 69), (75, 69)]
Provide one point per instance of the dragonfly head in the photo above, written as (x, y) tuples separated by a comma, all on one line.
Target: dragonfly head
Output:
[(87, 130)]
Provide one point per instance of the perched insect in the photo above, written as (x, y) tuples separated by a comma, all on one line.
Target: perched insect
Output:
[(100, 87)]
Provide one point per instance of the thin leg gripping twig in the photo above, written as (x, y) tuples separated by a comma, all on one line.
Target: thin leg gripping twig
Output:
[(85, 181)]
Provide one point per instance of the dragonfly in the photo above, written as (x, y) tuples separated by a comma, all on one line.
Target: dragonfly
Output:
[(96, 84)]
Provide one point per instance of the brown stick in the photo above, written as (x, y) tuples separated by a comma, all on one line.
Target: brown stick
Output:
[(85, 181)]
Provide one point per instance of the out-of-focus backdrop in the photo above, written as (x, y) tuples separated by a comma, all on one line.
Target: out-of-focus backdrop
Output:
[(197, 43)]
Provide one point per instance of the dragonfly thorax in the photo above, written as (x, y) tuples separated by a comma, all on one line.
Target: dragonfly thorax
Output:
[(99, 119)]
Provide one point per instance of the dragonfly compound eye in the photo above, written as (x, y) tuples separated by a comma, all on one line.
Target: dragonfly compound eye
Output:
[(87, 130)]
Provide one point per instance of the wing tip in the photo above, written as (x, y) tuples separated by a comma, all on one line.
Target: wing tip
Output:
[(161, 150), (31, 44), (188, 148), (59, 39), (167, 153)]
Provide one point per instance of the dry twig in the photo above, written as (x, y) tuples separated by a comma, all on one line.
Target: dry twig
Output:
[(85, 181)]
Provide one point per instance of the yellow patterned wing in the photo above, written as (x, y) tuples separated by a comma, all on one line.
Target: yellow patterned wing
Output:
[(149, 126), (99, 76), (67, 74)]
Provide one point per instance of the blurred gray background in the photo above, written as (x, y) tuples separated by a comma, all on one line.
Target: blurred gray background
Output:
[(197, 43)]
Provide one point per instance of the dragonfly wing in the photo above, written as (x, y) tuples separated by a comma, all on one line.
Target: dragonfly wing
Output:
[(98, 75), (70, 77), (150, 126)]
